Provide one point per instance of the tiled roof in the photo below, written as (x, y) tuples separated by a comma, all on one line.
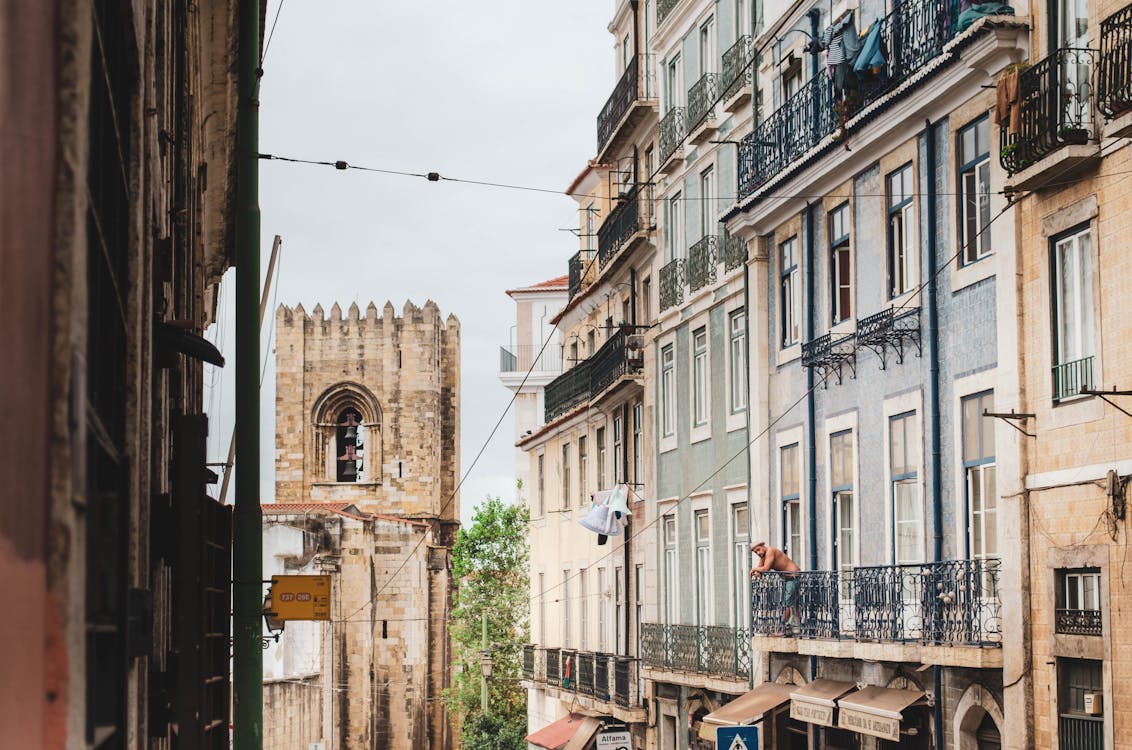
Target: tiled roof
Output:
[(559, 282), (349, 510)]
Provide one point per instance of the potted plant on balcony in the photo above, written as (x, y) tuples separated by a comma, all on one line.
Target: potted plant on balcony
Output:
[(1072, 134)]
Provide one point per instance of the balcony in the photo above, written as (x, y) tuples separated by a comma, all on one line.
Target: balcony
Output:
[(1114, 71), (952, 603), (622, 354), (915, 32), (890, 330), (663, 8), (672, 284), (1078, 622), (709, 650), (607, 678), (1057, 120), (580, 271), (736, 74), (1075, 732), (527, 357), (829, 354), (671, 139), (1070, 378), (632, 97), (702, 261), (630, 216), (734, 252), (700, 113)]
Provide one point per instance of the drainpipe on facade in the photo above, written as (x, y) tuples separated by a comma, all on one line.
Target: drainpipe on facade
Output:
[(811, 438), (932, 324), (750, 405), (628, 534)]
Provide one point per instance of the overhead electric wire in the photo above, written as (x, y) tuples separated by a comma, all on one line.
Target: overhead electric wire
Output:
[(271, 34)]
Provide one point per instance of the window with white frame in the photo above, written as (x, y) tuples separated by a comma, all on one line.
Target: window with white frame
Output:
[(566, 608), (907, 505), (565, 475), (583, 470), (1073, 306), (674, 224), (541, 485), (841, 461), (790, 494), (542, 608), (840, 265), (638, 602), (979, 470), (741, 564), (618, 450), (699, 377), (974, 190), (1079, 602), (638, 443), (626, 52), (671, 570), (601, 469), (709, 218), (737, 367), (667, 391), (602, 610), (903, 257), (674, 83), (742, 22), (790, 292), (701, 528), (589, 234), (707, 46), (583, 609), (619, 609)]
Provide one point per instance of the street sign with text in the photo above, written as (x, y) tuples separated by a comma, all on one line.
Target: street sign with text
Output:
[(300, 597)]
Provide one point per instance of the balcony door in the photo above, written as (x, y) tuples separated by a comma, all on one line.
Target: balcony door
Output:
[(1071, 32)]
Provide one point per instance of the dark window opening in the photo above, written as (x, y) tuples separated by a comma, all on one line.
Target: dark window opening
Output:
[(349, 465)]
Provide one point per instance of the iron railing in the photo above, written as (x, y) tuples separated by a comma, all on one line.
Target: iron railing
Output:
[(701, 100), (663, 8), (634, 85), (672, 284), (530, 357), (703, 257), (914, 34), (529, 662), (737, 69), (621, 354), (1056, 109), (715, 650), (585, 672), (953, 602), (605, 677), (891, 328), (672, 132), (1114, 68), (624, 680), (578, 270), (1078, 622), (568, 390), (1076, 732), (734, 252), (1070, 378), (552, 658), (622, 223)]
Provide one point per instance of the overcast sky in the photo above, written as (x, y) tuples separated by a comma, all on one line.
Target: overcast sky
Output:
[(503, 91)]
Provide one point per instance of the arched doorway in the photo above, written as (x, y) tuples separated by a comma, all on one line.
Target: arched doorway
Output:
[(978, 720), (987, 736)]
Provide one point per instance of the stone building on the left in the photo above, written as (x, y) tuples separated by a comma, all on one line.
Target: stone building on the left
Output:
[(367, 426)]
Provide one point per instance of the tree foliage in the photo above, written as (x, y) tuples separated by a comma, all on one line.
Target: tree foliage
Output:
[(490, 563)]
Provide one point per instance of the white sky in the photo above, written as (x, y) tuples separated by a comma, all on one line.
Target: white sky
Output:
[(503, 91)]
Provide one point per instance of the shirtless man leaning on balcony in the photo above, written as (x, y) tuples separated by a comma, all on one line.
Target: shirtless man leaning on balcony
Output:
[(774, 559)]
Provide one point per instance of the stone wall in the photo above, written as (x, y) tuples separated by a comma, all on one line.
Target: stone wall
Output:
[(292, 713)]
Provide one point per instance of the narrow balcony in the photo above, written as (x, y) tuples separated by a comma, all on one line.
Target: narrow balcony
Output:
[(1070, 378), (951, 603), (892, 331), (710, 650), (1114, 72), (734, 252), (567, 391), (794, 128), (621, 227), (525, 358), (672, 284), (622, 354), (703, 257), (672, 132), (1057, 121), (631, 99), (1078, 622), (700, 113), (736, 74), (580, 271), (606, 678), (829, 354)]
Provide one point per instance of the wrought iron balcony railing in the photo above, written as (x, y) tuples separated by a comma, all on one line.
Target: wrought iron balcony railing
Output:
[(526, 357), (579, 270), (915, 33), (1070, 378), (672, 132), (552, 660), (621, 354), (663, 8), (734, 252), (1114, 68), (625, 220), (1056, 102), (1077, 732), (714, 650), (701, 100), (954, 602), (890, 329), (1078, 622), (634, 85), (568, 390), (737, 68), (672, 283), (605, 677), (703, 257), (529, 653)]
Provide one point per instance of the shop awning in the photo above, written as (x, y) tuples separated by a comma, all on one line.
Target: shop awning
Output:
[(746, 709), (572, 731), (814, 703), (876, 711)]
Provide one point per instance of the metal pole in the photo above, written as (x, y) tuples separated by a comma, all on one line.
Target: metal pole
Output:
[(247, 543), (483, 677)]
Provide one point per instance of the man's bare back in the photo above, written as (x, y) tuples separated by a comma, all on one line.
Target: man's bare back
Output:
[(772, 558)]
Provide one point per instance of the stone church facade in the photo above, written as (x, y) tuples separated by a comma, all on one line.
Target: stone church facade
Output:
[(367, 445)]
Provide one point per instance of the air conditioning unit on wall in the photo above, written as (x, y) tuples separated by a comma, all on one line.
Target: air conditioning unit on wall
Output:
[(1094, 704)]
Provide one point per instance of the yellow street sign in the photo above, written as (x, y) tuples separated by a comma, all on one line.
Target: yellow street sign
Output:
[(300, 597)]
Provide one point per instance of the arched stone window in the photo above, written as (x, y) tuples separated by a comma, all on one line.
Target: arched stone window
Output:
[(347, 434)]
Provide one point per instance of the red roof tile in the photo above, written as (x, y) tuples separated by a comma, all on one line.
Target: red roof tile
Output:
[(559, 282)]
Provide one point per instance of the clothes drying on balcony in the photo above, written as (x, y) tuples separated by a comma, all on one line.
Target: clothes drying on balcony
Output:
[(1008, 102), (872, 58), (971, 12), (608, 514), (842, 44)]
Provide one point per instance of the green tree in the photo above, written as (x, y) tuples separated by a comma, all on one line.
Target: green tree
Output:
[(490, 563)]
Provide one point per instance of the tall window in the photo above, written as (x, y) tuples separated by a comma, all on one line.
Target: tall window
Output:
[(699, 377), (903, 258), (542, 608), (904, 463), (707, 46), (619, 610), (790, 296), (978, 467), (741, 563), (566, 608), (742, 23), (701, 527), (674, 236), (541, 485), (674, 83), (1079, 602), (1072, 314), (841, 483), (565, 475), (646, 296), (602, 610), (840, 265), (583, 469), (708, 204), (737, 367), (601, 475), (638, 443), (667, 391), (1080, 715), (618, 450), (638, 602), (626, 52), (588, 230), (791, 500), (583, 609), (671, 571), (974, 190)]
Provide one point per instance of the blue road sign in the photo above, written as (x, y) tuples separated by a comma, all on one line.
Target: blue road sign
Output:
[(737, 738)]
